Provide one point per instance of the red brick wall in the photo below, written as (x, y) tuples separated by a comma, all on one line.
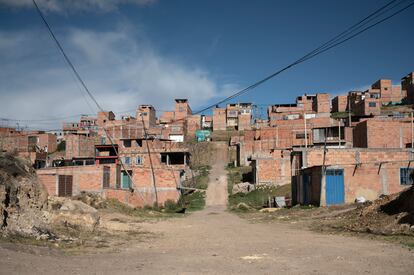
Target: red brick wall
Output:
[(80, 146), (339, 103), (369, 179), (49, 182), (85, 178), (382, 134), (273, 169), (167, 117), (244, 122), (322, 103), (49, 141), (193, 124), (219, 119)]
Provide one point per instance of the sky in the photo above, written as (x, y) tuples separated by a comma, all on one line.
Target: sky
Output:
[(132, 52)]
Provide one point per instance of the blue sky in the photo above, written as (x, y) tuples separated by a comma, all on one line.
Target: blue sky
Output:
[(133, 52)]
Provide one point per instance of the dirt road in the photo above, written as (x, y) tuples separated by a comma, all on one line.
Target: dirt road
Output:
[(214, 241)]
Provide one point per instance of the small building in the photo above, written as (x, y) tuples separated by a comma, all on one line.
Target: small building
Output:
[(272, 169), (337, 176)]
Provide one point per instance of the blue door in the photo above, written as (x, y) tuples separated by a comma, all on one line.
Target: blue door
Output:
[(126, 181), (335, 188)]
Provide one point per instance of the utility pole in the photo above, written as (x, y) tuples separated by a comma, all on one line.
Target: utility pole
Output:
[(412, 132), (150, 161), (306, 132), (339, 131), (349, 111)]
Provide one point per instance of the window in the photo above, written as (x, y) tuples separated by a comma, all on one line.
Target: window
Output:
[(138, 160), (127, 160), (103, 140), (164, 158), (372, 104), (232, 113), (175, 129), (127, 143), (181, 109), (300, 136), (405, 176)]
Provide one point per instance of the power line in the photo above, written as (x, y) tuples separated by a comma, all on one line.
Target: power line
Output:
[(85, 88), (334, 42), (65, 56)]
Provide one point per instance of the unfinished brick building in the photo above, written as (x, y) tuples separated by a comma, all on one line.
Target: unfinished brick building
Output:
[(219, 119), (383, 133), (33, 145), (135, 181), (407, 84), (339, 176), (364, 104), (386, 92), (111, 182), (272, 168), (340, 104), (306, 105)]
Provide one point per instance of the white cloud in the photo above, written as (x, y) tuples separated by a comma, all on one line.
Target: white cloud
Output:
[(74, 5), (355, 88), (121, 70)]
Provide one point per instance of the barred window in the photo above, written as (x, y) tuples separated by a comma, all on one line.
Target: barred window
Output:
[(405, 176)]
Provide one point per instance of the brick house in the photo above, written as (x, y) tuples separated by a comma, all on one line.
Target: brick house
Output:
[(272, 168), (289, 134), (147, 113), (132, 182), (33, 145), (340, 104), (219, 119), (383, 133), (386, 92), (318, 104), (407, 85), (194, 123), (341, 175)]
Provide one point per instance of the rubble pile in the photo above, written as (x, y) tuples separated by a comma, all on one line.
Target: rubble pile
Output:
[(388, 215)]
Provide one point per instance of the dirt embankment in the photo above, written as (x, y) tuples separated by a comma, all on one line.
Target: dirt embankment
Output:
[(28, 215), (388, 215)]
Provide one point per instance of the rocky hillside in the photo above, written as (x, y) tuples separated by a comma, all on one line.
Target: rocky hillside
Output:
[(23, 201)]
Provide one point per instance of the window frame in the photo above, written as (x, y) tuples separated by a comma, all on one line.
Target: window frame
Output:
[(405, 179), (127, 162), (140, 162)]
